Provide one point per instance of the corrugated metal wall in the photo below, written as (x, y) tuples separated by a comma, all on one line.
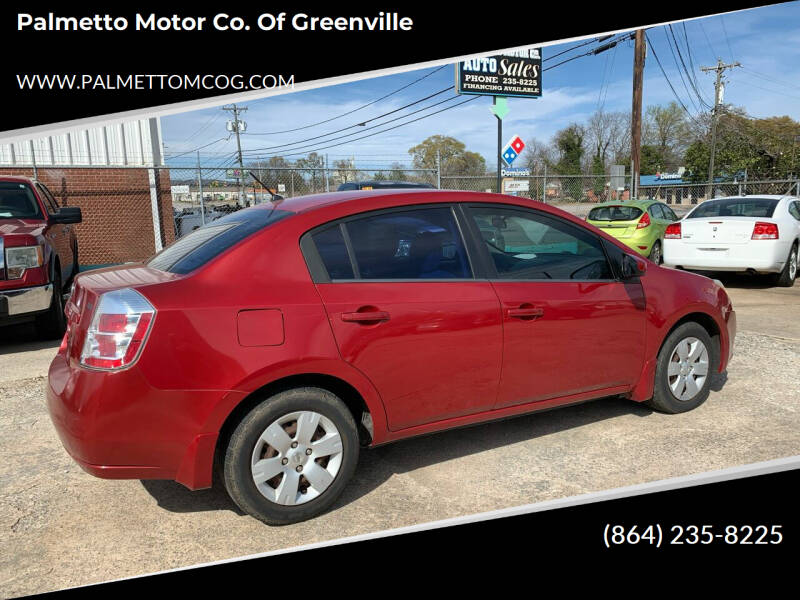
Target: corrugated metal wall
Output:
[(128, 143)]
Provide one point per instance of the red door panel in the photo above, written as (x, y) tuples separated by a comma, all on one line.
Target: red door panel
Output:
[(564, 338), (432, 349)]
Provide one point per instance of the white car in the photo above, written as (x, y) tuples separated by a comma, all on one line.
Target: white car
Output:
[(757, 234)]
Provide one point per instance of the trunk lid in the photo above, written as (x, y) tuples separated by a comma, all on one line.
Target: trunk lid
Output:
[(719, 231)]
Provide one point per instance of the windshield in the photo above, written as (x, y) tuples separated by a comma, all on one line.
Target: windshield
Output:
[(17, 201), (615, 213), (735, 207)]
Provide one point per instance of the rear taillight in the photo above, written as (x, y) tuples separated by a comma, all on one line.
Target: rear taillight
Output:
[(119, 329), (673, 231), (643, 222), (765, 231)]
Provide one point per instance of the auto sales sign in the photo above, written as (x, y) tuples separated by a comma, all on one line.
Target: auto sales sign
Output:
[(516, 74)]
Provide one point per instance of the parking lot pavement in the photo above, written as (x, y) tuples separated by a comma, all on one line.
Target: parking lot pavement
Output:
[(60, 527)]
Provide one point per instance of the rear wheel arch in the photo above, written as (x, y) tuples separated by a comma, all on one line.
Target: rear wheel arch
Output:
[(345, 391)]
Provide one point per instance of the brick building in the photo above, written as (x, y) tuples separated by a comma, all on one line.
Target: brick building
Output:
[(115, 174)]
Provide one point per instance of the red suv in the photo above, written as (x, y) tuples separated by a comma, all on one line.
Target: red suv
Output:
[(277, 341), (38, 255)]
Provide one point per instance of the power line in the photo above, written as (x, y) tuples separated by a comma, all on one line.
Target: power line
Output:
[(708, 41), (678, 68), (200, 147), (669, 83), (350, 112), (387, 129), (361, 124), (727, 41), (272, 148)]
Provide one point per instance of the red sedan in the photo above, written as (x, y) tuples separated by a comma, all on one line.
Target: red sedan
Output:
[(279, 340)]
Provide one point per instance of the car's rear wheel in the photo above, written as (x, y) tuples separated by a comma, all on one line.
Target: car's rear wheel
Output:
[(786, 277), (656, 254), (686, 363), (291, 456)]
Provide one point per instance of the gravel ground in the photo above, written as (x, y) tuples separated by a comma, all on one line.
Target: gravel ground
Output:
[(60, 527)]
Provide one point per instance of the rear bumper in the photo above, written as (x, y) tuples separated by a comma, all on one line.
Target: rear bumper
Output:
[(764, 256), (117, 426), (24, 301)]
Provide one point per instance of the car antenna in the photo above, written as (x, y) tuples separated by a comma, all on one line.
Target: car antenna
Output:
[(273, 197)]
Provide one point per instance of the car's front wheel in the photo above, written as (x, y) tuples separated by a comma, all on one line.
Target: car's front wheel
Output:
[(52, 324), (291, 456), (686, 363)]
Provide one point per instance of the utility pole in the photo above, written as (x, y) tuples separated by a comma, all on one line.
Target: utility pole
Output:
[(439, 168), (237, 126), (720, 68), (636, 110)]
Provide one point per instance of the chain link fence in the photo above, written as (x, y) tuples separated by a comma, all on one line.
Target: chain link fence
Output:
[(553, 189), (698, 192), (223, 190), (131, 212)]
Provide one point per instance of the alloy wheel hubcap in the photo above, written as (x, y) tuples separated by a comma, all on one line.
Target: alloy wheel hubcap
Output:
[(687, 369), (296, 458), (793, 265)]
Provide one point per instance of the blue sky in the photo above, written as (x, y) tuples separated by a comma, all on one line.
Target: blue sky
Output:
[(765, 40)]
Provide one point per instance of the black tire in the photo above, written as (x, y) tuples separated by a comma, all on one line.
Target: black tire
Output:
[(656, 254), (52, 324), (75, 265), (243, 442), (786, 277), (664, 400)]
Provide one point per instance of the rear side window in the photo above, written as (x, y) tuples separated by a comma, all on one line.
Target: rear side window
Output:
[(333, 252), (400, 244), (614, 213), (735, 207), (197, 248), (17, 201)]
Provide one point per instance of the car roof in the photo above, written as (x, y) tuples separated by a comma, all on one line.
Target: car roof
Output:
[(636, 203), (18, 178), (311, 202)]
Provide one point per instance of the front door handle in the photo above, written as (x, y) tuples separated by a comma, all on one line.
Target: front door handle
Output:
[(525, 312), (373, 316)]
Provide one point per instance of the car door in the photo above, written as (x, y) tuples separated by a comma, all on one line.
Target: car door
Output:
[(569, 325), (58, 234), (406, 311)]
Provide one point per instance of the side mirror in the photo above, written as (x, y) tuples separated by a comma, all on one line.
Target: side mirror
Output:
[(632, 267), (67, 215)]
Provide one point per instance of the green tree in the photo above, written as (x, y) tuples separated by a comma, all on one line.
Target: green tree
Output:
[(454, 158), (764, 148), (569, 142), (311, 167)]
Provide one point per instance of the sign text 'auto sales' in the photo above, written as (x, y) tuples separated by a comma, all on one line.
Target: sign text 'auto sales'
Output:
[(517, 73)]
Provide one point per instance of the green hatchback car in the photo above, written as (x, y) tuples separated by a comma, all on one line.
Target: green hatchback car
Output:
[(639, 224)]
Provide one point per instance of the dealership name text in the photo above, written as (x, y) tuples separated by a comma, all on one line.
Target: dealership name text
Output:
[(383, 21)]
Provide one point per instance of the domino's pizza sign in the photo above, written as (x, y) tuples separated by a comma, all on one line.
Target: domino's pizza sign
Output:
[(512, 150)]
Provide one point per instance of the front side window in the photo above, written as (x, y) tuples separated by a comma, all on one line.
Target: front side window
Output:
[(523, 245), (420, 243)]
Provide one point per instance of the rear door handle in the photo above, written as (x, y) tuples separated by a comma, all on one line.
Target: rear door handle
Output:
[(525, 312), (375, 316)]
